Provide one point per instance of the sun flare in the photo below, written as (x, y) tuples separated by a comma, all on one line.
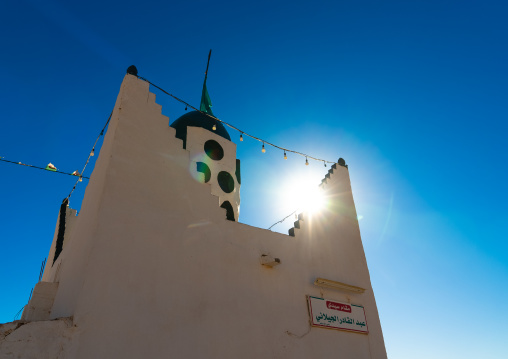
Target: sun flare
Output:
[(304, 195)]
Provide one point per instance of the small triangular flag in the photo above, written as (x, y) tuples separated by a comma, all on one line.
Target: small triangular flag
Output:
[(50, 167)]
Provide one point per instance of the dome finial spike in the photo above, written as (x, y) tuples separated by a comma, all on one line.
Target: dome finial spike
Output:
[(206, 102)]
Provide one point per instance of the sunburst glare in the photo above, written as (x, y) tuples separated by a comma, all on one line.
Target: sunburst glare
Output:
[(304, 195)]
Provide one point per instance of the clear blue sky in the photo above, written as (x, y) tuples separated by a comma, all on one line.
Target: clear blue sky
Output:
[(413, 94)]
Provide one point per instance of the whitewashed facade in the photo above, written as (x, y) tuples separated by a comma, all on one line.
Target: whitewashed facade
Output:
[(151, 267)]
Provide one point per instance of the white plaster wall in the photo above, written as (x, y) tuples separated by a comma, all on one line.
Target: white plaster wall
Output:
[(196, 138), (154, 269)]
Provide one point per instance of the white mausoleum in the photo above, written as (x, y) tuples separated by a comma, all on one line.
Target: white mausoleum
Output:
[(156, 264)]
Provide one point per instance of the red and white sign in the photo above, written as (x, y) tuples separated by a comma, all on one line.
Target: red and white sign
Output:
[(338, 306), (336, 315)]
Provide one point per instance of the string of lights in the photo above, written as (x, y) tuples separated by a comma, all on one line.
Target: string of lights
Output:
[(80, 176), (242, 133), (92, 153), (47, 168), (51, 168)]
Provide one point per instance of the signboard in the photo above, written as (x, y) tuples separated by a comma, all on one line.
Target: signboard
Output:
[(336, 315)]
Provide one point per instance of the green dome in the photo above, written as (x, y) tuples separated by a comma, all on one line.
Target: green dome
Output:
[(197, 119)]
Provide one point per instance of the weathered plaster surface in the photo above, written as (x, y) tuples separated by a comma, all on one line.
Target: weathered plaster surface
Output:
[(36, 340), (39, 306)]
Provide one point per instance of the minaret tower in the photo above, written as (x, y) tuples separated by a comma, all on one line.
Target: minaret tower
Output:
[(212, 154), (212, 158)]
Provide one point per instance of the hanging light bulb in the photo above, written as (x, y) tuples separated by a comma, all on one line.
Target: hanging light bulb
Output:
[(185, 107), (241, 137), (92, 153), (49, 167), (324, 163), (214, 127), (80, 179), (263, 148), (285, 156), (306, 161)]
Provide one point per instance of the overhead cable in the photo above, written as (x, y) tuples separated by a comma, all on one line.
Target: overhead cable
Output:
[(40, 168)]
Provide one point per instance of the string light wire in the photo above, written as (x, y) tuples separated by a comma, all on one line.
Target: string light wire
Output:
[(236, 128), (19, 312), (80, 176), (37, 167), (92, 153), (283, 219)]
